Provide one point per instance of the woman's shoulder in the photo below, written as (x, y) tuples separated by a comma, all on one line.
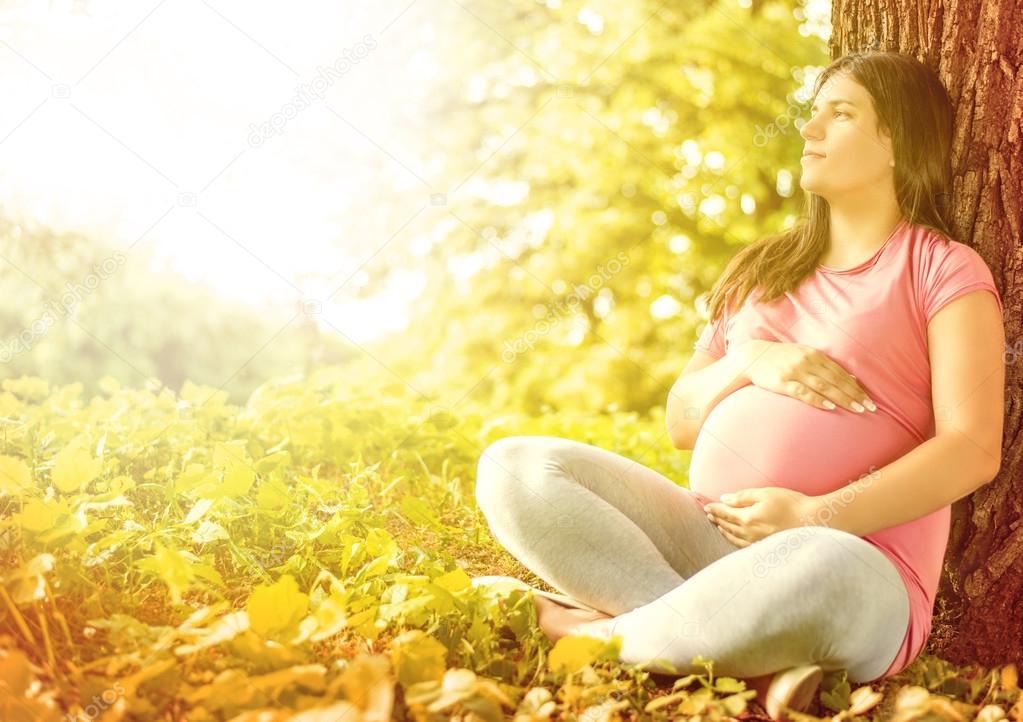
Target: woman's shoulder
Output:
[(944, 267), (934, 247)]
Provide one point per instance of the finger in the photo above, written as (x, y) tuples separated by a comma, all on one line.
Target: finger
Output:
[(835, 374), (827, 384), (722, 514), (739, 503), (732, 529), (734, 539), (802, 392)]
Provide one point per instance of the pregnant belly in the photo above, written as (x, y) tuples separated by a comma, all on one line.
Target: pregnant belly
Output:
[(755, 437)]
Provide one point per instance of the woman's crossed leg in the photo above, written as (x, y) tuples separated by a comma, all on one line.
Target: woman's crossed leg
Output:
[(626, 540)]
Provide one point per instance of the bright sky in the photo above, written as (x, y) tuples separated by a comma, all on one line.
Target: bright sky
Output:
[(149, 124)]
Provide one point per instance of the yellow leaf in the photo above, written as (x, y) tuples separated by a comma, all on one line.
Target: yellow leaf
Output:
[(16, 671), (1010, 677), (192, 477), (863, 700), (572, 653), (15, 476), (10, 405), (38, 515), (273, 461), (458, 685), (205, 396), (338, 711), (228, 453), (365, 622), (271, 495), (73, 468), (310, 676), (418, 657), (276, 607), (223, 630), (172, 567), (454, 581), (209, 573), (238, 480), (330, 617), (31, 388), (109, 385), (368, 684)]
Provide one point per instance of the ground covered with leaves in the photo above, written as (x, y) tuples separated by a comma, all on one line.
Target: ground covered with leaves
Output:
[(308, 556)]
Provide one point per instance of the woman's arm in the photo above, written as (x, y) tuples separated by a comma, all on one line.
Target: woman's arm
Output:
[(701, 385), (966, 341)]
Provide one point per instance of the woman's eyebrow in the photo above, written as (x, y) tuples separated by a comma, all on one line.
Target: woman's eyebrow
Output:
[(833, 103)]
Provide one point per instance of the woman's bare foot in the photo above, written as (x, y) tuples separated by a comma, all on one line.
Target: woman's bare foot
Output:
[(557, 621)]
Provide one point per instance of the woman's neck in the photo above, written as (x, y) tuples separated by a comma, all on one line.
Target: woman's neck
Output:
[(857, 234)]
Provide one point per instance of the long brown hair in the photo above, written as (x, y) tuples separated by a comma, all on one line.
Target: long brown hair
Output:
[(914, 107)]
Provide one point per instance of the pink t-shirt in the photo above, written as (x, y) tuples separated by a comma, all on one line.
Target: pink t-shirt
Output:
[(872, 320)]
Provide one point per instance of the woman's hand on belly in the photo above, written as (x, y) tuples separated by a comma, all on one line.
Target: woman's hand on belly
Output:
[(805, 374), (752, 514)]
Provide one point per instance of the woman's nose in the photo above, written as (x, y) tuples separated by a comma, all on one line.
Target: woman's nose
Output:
[(809, 128)]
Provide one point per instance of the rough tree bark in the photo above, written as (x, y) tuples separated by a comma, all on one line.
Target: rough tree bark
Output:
[(977, 48)]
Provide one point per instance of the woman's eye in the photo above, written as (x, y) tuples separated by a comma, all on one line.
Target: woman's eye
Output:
[(835, 112)]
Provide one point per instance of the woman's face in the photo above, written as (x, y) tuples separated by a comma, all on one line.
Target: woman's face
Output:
[(855, 155)]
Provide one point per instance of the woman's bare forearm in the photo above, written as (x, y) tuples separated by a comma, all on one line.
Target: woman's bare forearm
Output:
[(694, 395)]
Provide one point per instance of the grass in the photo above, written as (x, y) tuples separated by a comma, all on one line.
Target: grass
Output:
[(169, 556)]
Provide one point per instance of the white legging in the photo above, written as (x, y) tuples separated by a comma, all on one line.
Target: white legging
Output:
[(628, 541)]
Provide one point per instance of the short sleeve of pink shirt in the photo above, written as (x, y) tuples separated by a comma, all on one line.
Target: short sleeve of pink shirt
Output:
[(872, 320), (948, 271), (712, 338)]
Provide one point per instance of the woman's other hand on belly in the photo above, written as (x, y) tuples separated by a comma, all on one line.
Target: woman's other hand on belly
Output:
[(748, 515)]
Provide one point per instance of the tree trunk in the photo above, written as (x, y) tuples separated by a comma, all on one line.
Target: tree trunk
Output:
[(977, 50)]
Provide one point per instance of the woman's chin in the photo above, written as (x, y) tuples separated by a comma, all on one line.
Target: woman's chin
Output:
[(808, 185)]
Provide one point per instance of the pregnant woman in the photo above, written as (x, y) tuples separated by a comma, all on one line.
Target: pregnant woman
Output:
[(848, 390)]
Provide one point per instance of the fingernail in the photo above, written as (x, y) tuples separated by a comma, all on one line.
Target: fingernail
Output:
[(859, 409), (870, 405), (828, 404)]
